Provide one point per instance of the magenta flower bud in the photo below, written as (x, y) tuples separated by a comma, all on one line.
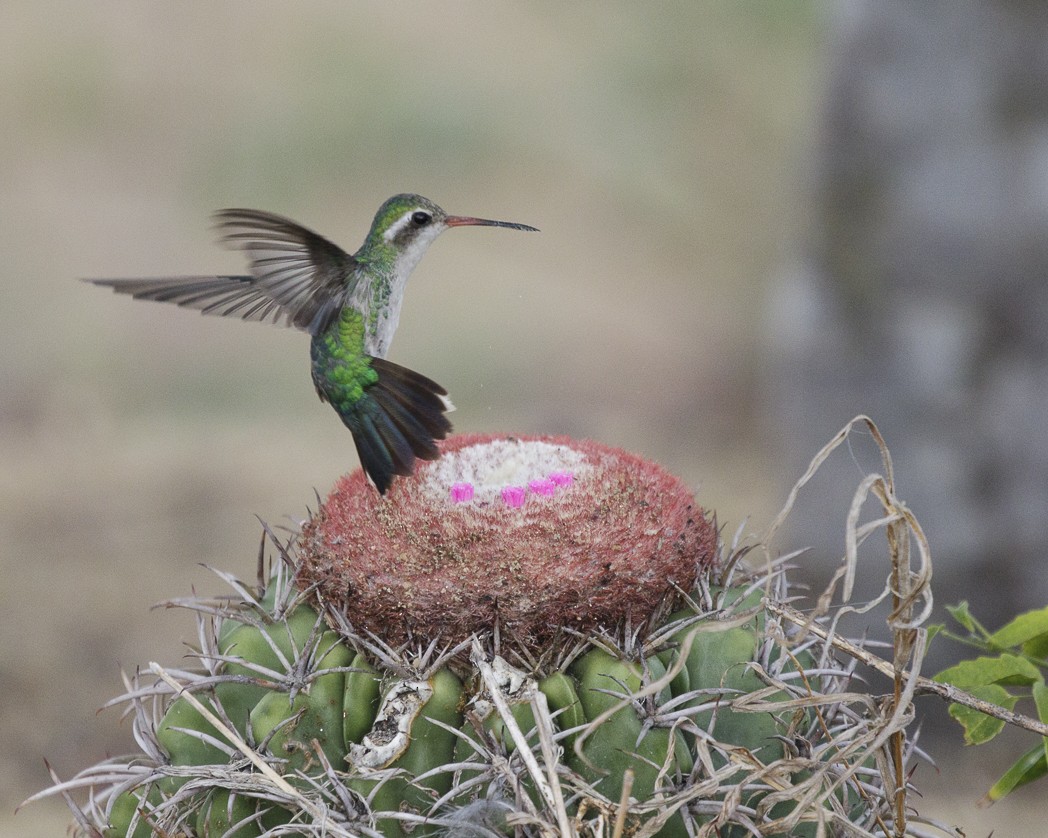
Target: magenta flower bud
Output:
[(561, 479), (513, 496), (461, 492), (544, 486)]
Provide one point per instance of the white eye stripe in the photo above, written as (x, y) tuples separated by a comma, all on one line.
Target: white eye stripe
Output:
[(398, 226)]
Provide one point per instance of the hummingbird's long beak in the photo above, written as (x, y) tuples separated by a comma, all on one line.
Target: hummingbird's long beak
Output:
[(467, 221)]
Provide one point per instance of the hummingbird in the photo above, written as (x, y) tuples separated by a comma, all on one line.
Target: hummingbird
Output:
[(349, 305)]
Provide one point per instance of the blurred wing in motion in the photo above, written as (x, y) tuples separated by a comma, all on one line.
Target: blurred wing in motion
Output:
[(298, 277)]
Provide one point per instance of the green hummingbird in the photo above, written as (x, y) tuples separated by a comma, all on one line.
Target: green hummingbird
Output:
[(349, 304)]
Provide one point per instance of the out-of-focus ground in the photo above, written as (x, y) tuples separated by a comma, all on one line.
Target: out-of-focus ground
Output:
[(662, 151)]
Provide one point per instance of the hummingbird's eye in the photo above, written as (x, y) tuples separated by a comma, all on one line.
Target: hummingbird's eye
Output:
[(420, 218)]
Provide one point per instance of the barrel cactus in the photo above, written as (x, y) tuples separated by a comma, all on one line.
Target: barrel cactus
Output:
[(530, 636)]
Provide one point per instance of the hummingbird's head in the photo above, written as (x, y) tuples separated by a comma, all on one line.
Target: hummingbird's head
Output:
[(409, 223)]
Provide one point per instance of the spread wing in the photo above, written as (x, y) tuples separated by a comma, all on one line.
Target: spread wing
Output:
[(298, 277)]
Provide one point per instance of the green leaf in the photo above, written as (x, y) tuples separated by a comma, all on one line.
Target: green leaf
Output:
[(1023, 629), (1005, 669), (960, 613), (978, 727), (933, 630), (1029, 767), (1040, 699), (1037, 648)]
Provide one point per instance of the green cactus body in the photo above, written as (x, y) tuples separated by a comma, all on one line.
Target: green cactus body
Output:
[(188, 737), (336, 711), (718, 660), (315, 715), (681, 682), (523, 717), (562, 701), (232, 815), (384, 732), (408, 739), (267, 652), (229, 815), (360, 702), (516, 688), (274, 646), (620, 742), (122, 823)]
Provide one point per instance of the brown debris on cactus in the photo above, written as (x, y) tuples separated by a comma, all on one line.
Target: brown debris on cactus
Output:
[(533, 534)]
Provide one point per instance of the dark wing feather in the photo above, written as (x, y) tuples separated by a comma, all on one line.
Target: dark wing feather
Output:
[(419, 397), (297, 276)]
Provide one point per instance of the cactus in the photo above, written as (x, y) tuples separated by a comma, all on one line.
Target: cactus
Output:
[(525, 638)]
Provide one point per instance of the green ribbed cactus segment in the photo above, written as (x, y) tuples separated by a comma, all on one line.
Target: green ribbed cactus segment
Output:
[(293, 727), (398, 760), (396, 741), (629, 737), (128, 816)]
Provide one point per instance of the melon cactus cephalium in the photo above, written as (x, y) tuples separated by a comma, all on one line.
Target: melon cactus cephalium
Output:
[(535, 534)]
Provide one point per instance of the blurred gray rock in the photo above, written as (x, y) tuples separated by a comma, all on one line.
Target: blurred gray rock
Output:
[(921, 295)]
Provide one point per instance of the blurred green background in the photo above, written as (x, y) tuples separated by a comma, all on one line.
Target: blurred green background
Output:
[(661, 148)]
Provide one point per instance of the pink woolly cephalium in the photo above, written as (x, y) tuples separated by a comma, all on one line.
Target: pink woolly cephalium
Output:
[(534, 533)]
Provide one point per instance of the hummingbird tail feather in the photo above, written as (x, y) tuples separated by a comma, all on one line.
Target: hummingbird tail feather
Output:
[(397, 421), (383, 450), (421, 397)]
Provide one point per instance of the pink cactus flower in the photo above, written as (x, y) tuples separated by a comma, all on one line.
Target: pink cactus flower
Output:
[(513, 496), (561, 479), (544, 486), (461, 492)]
